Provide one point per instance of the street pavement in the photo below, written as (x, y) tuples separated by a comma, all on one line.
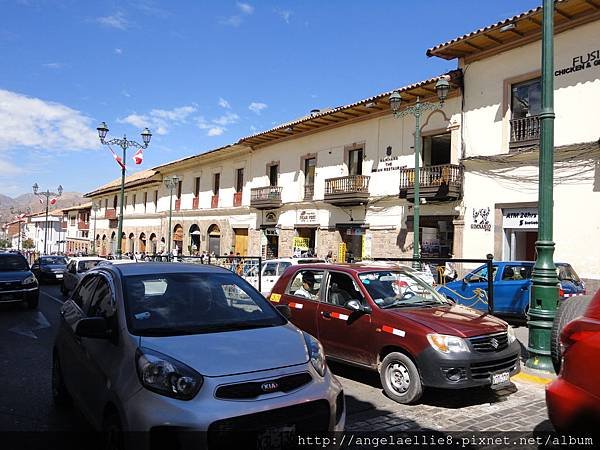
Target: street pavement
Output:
[(26, 339)]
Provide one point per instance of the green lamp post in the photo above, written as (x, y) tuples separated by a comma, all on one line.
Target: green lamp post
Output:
[(442, 88), (544, 294)]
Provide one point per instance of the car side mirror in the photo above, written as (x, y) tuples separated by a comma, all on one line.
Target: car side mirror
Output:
[(465, 281), (356, 306), (93, 327), (72, 270), (285, 311)]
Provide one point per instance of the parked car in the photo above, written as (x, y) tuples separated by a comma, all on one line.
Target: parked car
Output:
[(573, 399), (75, 270), (512, 287), (425, 273), (272, 269), (189, 347), (390, 320), (17, 282), (49, 268)]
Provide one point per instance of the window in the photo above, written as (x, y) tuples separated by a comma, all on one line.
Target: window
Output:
[(197, 187), (481, 275), (145, 201), (239, 180), (270, 269), (179, 186), (436, 150), (273, 174), (125, 202), (105, 203), (134, 201), (516, 272), (72, 221), (83, 294), (355, 159), (102, 304), (216, 183), (306, 284), (342, 289), (115, 202), (309, 171), (155, 200), (526, 100)]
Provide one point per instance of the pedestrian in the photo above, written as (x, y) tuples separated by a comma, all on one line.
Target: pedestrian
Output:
[(329, 257)]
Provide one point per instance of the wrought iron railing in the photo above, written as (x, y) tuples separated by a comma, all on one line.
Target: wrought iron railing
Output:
[(432, 176), (266, 193)]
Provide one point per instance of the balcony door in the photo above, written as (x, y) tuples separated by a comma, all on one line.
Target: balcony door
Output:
[(355, 159), (525, 108), (436, 150)]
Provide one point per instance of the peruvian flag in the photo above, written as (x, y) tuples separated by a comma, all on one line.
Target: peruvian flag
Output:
[(53, 201), (138, 157), (118, 159)]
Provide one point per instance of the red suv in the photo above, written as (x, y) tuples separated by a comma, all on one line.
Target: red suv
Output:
[(387, 319)]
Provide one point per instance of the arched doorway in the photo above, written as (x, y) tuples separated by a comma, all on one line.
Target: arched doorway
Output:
[(103, 246), (142, 244), (113, 243), (178, 238), (194, 239), (214, 239), (153, 244), (123, 243), (131, 243)]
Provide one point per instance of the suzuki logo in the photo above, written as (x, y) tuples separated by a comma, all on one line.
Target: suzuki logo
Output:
[(269, 386), (494, 343)]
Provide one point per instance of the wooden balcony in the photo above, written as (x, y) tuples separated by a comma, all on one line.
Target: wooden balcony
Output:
[(440, 183), (177, 204), (110, 214), (64, 224), (347, 191), (195, 202), (83, 225), (268, 197), (214, 201), (525, 131), (237, 199)]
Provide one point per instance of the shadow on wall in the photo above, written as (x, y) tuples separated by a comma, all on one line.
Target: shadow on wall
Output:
[(596, 187)]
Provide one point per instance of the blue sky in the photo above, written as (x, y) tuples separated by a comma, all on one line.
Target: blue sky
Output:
[(199, 74)]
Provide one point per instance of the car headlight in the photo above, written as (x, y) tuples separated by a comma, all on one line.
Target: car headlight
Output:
[(512, 337), (31, 279), (447, 344), (316, 353), (167, 376)]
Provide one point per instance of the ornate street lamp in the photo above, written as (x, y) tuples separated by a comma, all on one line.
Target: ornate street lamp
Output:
[(124, 144), (544, 293), (442, 88), (47, 194), (171, 183)]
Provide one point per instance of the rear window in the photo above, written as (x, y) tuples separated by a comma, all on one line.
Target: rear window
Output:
[(53, 260), (567, 273), (84, 266), (10, 263)]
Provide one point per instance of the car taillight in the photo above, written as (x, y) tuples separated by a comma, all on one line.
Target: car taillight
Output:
[(579, 330), (561, 293)]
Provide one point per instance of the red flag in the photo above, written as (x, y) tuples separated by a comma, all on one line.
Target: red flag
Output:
[(41, 201), (138, 157), (53, 201), (118, 159)]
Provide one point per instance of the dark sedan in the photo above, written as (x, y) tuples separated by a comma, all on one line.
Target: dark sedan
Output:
[(49, 268), (17, 282)]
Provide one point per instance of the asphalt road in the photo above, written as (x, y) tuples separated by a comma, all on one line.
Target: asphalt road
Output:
[(26, 339)]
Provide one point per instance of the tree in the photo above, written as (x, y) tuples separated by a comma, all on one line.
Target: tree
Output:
[(28, 244), (4, 243)]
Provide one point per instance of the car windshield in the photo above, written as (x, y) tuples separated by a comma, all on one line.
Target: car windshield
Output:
[(84, 266), (399, 288), (9, 263), (192, 303), (567, 273), (53, 260)]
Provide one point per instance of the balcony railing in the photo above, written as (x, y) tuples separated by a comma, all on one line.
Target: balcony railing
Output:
[(83, 225), (110, 214), (177, 204), (309, 191), (268, 197), (214, 201), (350, 190), (443, 182), (237, 199), (525, 131), (195, 202)]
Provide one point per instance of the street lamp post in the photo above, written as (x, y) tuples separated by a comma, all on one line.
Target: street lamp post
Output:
[(171, 183), (95, 208), (544, 293), (124, 144), (19, 213), (442, 88), (47, 193)]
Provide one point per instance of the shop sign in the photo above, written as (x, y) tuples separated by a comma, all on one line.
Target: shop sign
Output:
[(354, 231), (388, 164), (271, 232), (481, 219), (524, 218), (271, 217), (307, 216), (581, 62)]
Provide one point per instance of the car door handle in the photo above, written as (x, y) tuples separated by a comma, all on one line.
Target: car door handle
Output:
[(326, 314)]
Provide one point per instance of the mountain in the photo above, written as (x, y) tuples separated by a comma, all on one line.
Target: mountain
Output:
[(24, 201)]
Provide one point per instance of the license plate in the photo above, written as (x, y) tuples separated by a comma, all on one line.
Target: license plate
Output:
[(499, 379), (59, 275), (276, 438)]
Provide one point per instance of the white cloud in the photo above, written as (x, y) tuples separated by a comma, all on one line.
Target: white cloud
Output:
[(39, 124), (284, 14), (215, 131), (160, 120), (257, 107), (226, 119), (118, 51), (245, 8), (117, 21), (53, 65), (224, 103), (8, 168)]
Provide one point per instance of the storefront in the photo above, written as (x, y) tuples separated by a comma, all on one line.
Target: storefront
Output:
[(436, 235), (353, 237), (305, 239), (520, 231), (269, 242)]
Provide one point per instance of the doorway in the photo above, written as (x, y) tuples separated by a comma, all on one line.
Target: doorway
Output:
[(241, 241), (214, 240), (520, 244)]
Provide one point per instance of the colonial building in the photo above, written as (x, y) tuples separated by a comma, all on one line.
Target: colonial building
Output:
[(75, 225)]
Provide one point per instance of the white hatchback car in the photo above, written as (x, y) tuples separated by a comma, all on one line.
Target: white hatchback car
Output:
[(75, 269), (272, 269)]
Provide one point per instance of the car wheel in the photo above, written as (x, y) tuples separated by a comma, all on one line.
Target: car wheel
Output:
[(60, 395), (113, 432), (32, 303), (400, 378), (570, 309)]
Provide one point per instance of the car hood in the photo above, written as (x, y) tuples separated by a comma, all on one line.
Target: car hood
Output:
[(16, 275), (234, 352), (455, 320)]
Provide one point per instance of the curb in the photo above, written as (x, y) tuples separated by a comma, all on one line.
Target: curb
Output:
[(528, 378)]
